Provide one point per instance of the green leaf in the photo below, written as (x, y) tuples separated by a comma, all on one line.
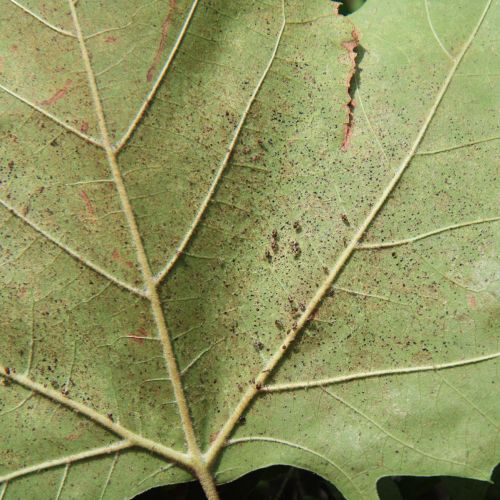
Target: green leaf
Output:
[(214, 260)]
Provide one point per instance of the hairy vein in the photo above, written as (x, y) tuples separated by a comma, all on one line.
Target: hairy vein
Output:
[(52, 117), (395, 243), (42, 20), (266, 439), (195, 459), (229, 151), (272, 363), (142, 110), (93, 415), (66, 460), (457, 146), (70, 251), (377, 373)]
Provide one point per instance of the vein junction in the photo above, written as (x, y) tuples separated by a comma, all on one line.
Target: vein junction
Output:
[(194, 460)]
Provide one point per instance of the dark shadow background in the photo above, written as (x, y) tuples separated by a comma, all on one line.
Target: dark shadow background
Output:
[(288, 483), (349, 6)]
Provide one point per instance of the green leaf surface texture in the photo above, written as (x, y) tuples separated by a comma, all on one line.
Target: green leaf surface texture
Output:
[(236, 234)]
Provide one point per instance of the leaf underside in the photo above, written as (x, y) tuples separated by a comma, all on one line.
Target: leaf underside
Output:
[(185, 244)]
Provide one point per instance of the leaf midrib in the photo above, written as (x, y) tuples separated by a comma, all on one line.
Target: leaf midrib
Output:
[(173, 370), (218, 444)]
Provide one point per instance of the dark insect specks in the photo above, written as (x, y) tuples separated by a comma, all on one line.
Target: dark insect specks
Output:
[(274, 240), (274, 246), (295, 248), (258, 346), (345, 220)]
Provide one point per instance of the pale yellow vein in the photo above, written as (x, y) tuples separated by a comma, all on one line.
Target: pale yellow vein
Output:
[(70, 251), (42, 20), (196, 463), (110, 473), (75, 457), (434, 32), (132, 438), (386, 372), (457, 146), (218, 176), (404, 241), (54, 118), (63, 480), (251, 439), (393, 436), (138, 117)]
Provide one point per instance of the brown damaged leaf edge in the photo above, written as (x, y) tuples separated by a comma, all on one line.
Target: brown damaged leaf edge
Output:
[(351, 46)]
